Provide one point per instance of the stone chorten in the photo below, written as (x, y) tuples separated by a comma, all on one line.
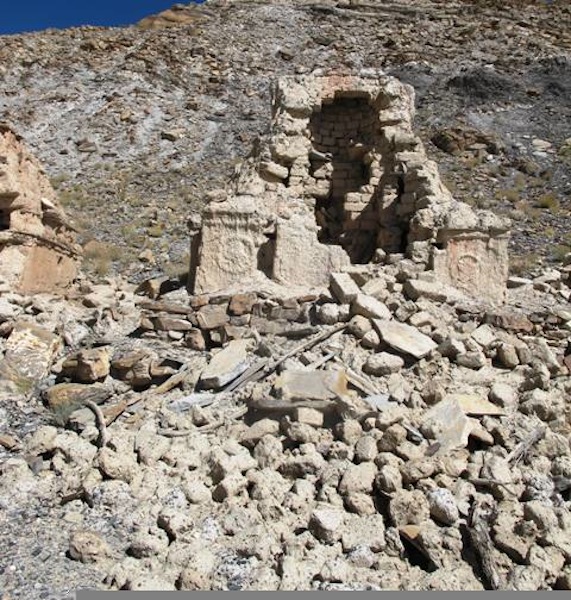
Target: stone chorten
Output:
[(38, 252), (341, 179)]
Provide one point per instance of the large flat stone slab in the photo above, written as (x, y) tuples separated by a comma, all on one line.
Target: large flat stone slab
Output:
[(226, 365), (370, 307), (316, 389), (404, 338)]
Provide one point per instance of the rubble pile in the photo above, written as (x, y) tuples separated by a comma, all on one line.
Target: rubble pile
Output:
[(389, 433)]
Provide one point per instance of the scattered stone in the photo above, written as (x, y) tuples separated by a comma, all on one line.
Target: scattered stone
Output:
[(371, 339), (435, 291), (328, 314), (226, 365), (29, 352), (309, 416), (507, 355), (344, 287), (358, 478), (383, 363), (448, 425), (242, 304), (318, 388), (370, 307), (404, 338), (503, 395), (88, 366), (475, 405), (88, 547), (326, 524), (212, 316), (443, 506), (408, 508)]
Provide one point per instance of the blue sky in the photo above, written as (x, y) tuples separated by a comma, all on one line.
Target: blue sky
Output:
[(31, 15)]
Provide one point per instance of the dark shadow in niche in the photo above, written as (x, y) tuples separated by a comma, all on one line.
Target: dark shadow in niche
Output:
[(342, 133), (4, 219), (266, 254)]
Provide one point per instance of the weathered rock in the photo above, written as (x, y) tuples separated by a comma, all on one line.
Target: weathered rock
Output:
[(88, 547), (370, 307), (349, 431), (389, 479), (88, 366), (195, 340), (226, 365), (447, 423), (328, 313), (507, 355), (358, 478), (317, 388), (363, 530), (242, 304), (443, 506), (327, 524), (474, 405), (343, 287), (65, 397), (38, 251), (503, 395), (309, 416), (366, 449), (359, 326), (371, 339), (212, 316), (408, 508), (117, 466), (150, 583), (169, 323), (29, 353), (484, 335), (404, 338), (383, 363), (433, 290)]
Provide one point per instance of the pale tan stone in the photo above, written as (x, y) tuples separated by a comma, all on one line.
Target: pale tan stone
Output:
[(38, 251)]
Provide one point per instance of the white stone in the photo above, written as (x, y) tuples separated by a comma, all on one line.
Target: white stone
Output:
[(433, 290), (370, 307), (404, 338), (443, 506), (226, 365), (484, 335), (343, 287), (383, 363)]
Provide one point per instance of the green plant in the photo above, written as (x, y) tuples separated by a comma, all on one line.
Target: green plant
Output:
[(523, 265), (511, 195), (559, 251), (57, 180), (548, 201)]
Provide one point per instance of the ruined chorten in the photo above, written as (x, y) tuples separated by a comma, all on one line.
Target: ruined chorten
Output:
[(342, 180), (38, 251)]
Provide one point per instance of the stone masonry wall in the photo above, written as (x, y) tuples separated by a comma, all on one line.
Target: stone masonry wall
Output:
[(340, 179)]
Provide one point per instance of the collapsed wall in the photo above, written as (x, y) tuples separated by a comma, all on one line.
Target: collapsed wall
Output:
[(342, 180), (37, 244)]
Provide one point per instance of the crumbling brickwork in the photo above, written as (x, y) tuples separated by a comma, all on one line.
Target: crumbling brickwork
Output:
[(341, 179)]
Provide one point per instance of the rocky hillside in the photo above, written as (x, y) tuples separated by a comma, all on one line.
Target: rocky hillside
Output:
[(135, 125)]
